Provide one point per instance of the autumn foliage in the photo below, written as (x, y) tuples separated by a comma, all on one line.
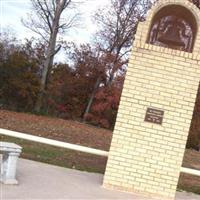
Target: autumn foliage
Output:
[(88, 86), (105, 107), (69, 86), (19, 77)]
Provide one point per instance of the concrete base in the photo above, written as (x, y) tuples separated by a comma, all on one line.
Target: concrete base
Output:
[(43, 181), (130, 190), (10, 153), (9, 181)]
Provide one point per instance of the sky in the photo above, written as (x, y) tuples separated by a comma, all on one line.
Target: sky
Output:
[(12, 11)]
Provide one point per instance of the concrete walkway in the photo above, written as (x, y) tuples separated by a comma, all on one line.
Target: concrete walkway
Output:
[(42, 181)]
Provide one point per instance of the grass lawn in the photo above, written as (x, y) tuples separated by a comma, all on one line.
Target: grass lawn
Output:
[(59, 156), (77, 133)]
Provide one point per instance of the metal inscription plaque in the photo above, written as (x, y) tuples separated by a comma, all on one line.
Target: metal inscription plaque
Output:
[(154, 116)]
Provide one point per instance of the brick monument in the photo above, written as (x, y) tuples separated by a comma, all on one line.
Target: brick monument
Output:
[(157, 102)]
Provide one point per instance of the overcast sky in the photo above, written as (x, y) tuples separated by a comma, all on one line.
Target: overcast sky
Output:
[(11, 12)]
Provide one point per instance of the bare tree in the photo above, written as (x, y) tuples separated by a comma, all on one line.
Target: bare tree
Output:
[(47, 22), (117, 27)]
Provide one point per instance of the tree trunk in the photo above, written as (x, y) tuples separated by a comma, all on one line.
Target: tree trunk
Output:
[(49, 58), (87, 110)]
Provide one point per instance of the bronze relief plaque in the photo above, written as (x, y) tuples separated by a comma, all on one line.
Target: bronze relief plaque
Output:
[(154, 116), (173, 27)]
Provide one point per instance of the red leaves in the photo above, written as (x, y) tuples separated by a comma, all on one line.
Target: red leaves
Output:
[(105, 106), (61, 108), (69, 88)]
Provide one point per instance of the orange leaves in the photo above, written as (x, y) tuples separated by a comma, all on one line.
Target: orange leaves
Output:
[(105, 106)]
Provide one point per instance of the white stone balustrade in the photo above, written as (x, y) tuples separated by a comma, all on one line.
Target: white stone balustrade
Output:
[(10, 152)]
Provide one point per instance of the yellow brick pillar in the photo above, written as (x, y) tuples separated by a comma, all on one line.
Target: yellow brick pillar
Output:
[(156, 108)]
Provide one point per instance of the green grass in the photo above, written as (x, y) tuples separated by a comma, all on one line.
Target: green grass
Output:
[(192, 188), (76, 160), (189, 183), (59, 156)]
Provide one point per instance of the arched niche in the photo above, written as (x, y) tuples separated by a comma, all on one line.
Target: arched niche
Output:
[(173, 26)]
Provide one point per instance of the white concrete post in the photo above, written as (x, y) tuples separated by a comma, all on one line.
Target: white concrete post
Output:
[(11, 153), (4, 164), (9, 168)]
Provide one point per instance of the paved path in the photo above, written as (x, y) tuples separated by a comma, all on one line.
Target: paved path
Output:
[(42, 181)]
